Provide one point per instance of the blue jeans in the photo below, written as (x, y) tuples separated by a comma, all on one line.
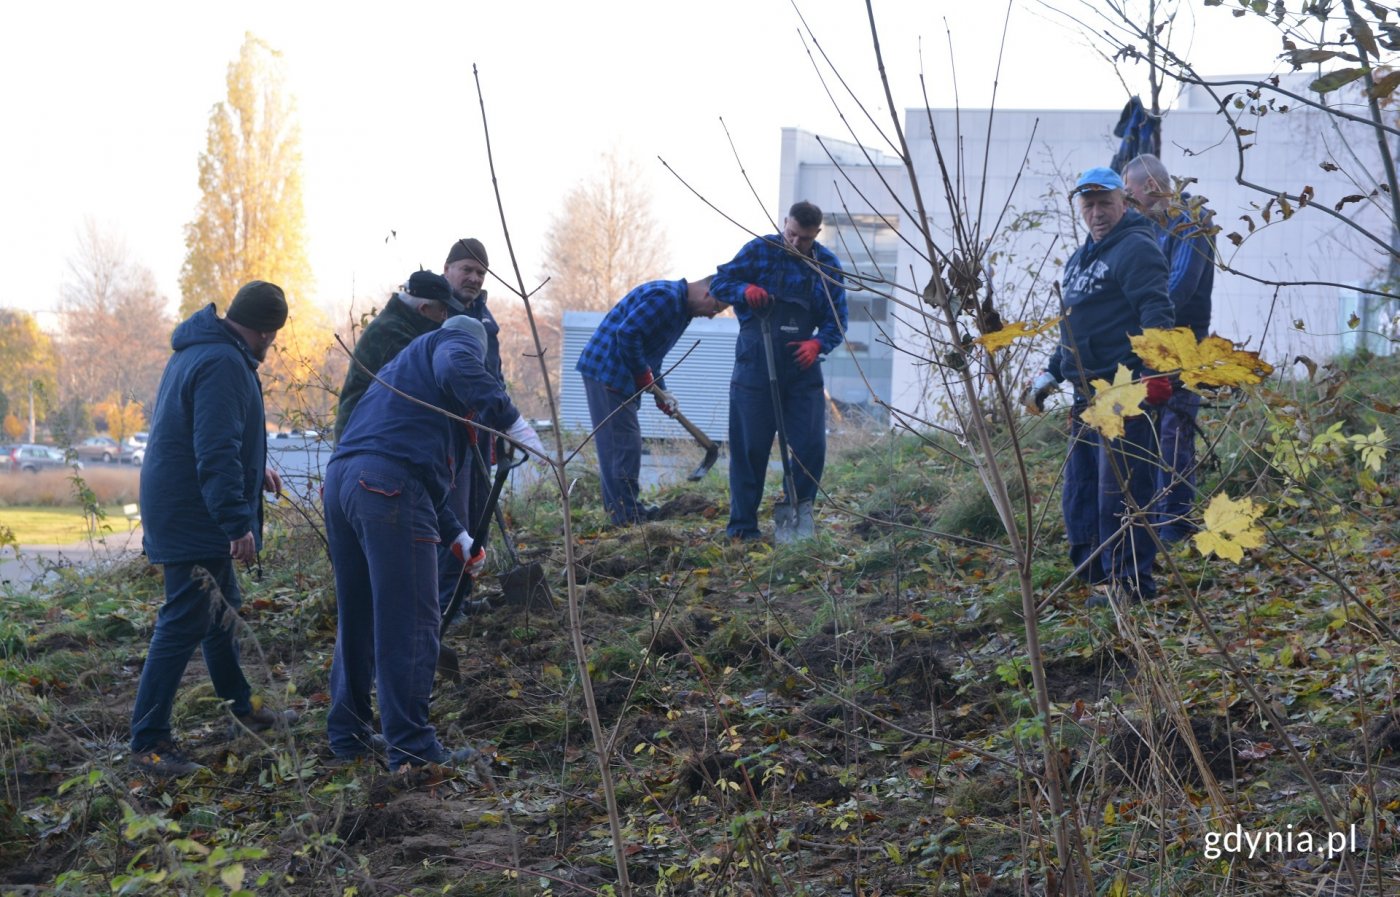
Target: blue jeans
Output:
[(199, 612), (752, 426), (383, 537), (1095, 502), (1176, 477), (618, 439)]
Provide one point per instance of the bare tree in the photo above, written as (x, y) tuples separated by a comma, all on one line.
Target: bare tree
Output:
[(116, 331)]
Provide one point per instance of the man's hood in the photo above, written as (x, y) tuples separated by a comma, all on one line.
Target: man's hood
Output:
[(205, 327)]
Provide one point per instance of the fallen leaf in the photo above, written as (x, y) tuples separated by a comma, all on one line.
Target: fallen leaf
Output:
[(1229, 527)]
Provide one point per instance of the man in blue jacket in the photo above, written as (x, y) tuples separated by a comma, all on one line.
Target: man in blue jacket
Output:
[(797, 284), (201, 507), (387, 509), (1183, 232), (619, 363), (1114, 286)]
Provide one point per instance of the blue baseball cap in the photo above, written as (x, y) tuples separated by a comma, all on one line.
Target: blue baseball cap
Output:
[(1097, 179)]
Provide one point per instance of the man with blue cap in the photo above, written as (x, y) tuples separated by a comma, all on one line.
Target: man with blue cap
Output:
[(1114, 287)]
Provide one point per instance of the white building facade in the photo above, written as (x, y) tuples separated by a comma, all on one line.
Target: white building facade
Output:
[(1012, 169)]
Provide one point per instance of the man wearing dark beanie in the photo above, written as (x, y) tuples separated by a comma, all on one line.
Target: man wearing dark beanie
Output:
[(465, 269), (201, 509), (259, 306), (418, 308)]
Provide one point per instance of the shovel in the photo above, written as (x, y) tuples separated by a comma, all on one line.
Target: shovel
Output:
[(522, 584), (708, 444), (784, 515), (447, 662)]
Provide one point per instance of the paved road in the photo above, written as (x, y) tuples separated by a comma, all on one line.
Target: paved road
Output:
[(300, 465), (36, 563)]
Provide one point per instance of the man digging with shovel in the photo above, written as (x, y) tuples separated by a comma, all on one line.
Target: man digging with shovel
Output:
[(618, 364), (789, 296), (387, 508)]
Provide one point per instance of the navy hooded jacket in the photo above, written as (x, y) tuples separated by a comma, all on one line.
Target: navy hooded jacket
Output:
[(446, 369), (1112, 289), (201, 483)]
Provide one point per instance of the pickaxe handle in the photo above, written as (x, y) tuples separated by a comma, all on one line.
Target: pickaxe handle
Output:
[(706, 443)]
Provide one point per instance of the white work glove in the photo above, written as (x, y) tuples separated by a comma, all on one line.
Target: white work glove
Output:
[(524, 434), (665, 402), (462, 550), (1034, 396)]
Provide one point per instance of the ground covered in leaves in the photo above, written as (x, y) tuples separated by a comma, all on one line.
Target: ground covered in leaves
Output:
[(852, 715)]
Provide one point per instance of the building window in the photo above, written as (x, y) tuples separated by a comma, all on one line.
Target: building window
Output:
[(867, 245)]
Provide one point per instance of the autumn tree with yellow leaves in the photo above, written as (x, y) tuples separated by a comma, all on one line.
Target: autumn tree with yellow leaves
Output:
[(249, 225)]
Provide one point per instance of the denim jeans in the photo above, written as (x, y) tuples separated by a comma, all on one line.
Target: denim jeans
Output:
[(383, 538), (1176, 477), (618, 438), (752, 426), (200, 611), (1095, 502)]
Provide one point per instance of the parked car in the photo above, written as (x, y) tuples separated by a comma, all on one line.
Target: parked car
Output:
[(7, 463), (34, 458), (138, 456), (136, 441), (98, 448)]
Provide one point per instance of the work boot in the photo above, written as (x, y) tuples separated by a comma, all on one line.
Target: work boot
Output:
[(806, 525), (784, 524), (262, 720), (165, 760)]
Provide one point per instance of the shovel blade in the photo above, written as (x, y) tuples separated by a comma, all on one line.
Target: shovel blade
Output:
[(711, 455), (525, 586)]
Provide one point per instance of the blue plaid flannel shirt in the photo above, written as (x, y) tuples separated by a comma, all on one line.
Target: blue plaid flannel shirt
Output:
[(636, 335), (767, 262)]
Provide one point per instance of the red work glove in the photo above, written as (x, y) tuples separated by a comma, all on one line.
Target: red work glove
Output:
[(806, 352), (1159, 390), (756, 297), (644, 380)]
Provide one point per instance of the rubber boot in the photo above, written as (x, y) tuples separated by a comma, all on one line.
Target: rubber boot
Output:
[(784, 524), (805, 525)]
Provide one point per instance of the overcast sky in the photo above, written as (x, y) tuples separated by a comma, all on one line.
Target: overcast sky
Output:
[(105, 107)]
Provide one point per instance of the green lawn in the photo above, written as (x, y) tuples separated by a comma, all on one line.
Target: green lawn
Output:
[(57, 526)]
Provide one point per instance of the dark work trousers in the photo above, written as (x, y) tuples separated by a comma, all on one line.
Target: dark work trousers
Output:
[(618, 438), (466, 494), (1176, 476), (1094, 506), (200, 611), (752, 423), (383, 536)]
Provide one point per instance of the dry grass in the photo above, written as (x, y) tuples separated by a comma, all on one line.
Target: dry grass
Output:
[(56, 489)]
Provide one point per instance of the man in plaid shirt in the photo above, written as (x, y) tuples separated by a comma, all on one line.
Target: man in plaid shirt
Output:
[(619, 363), (797, 284)]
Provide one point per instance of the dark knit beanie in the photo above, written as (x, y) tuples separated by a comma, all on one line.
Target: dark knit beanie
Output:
[(259, 306), (468, 248), (427, 285)]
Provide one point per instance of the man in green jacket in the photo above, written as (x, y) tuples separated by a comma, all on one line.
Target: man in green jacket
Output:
[(420, 307)]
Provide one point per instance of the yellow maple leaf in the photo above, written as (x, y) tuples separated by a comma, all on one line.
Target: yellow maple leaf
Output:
[(1371, 447), (1114, 402), (1214, 361), (1008, 334), (1230, 527)]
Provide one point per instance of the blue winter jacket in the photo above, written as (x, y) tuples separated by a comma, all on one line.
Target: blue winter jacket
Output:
[(201, 483), (1190, 253), (446, 369), (1112, 289), (635, 335)]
